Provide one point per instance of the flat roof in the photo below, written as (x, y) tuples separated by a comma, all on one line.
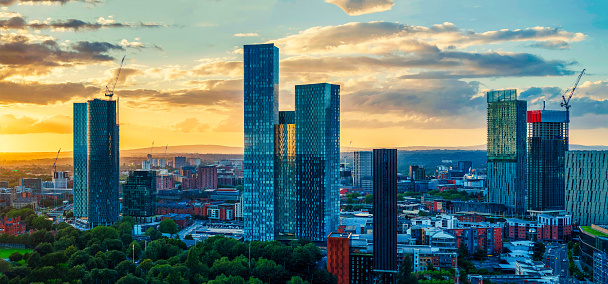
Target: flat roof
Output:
[(593, 232)]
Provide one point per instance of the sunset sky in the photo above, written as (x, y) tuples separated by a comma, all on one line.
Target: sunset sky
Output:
[(411, 72)]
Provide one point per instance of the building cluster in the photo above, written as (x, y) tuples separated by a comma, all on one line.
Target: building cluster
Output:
[(292, 158)]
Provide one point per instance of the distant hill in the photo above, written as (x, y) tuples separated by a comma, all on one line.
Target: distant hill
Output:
[(195, 149)]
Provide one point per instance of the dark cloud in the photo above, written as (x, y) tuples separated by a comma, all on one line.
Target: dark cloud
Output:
[(21, 56), (70, 24), (25, 125), (416, 97), (494, 64), (43, 94), (11, 2), (551, 45), (589, 98)]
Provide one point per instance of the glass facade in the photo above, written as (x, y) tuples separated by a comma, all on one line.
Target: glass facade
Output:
[(547, 146), (317, 160), (507, 149), (139, 194), (385, 209), (80, 160), (362, 168), (261, 104), (285, 166), (586, 179), (102, 163)]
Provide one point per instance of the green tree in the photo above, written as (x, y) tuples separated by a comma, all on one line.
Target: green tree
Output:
[(15, 257), (188, 237), (130, 279), (168, 226), (369, 199), (132, 248), (479, 253), (42, 223), (145, 265), (154, 234), (103, 233), (297, 280)]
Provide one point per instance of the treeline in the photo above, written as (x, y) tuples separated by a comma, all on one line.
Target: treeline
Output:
[(105, 255)]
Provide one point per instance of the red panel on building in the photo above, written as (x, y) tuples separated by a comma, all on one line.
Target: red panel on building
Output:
[(338, 256), (534, 116)]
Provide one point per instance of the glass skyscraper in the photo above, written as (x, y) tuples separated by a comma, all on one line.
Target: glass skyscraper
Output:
[(285, 166), (317, 160), (507, 149), (80, 160), (139, 194), (261, 105), (385, 212), (547, 146), (102, 163), (362, 170)]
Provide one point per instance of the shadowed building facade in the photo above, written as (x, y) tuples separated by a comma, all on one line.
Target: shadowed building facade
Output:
[(102, 163), (385, 213), (261, 104), (547, 146), (285, 173), (80, 160), (317, 120), (362, 170), (507, 149), (139, 194), (587, 187)]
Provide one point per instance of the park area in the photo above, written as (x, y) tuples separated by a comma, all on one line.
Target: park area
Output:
[(5, 253)]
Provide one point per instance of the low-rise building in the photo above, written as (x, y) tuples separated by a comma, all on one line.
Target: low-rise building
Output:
[(12, 226)]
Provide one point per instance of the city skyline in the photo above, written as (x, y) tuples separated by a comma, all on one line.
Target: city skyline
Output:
[(409, 77)]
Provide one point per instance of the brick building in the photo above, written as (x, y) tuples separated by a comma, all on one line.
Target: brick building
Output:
[(170, 208), (206, 177), (12, 226)]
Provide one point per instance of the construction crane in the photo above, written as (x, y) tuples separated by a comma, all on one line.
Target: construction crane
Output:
[(55, 163), (566, 101), (110, 93)]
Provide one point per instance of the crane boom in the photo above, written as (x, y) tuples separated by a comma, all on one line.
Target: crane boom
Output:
[(55, 163), (110, 93), (566, 101)]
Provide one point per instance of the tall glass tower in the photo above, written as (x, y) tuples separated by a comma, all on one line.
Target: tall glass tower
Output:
[(507, 149), (261, 84), (317, 160), (80, 160), (285, 171), (102, 163), (362, 169), (385, 212), (547, 146)]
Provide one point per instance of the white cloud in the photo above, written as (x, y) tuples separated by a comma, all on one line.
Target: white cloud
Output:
[(246, 34), (362, 7)]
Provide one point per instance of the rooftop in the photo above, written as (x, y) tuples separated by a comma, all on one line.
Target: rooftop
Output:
[(591, 231)]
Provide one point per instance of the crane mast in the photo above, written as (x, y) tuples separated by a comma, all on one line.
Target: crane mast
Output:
[(566, 101), (110, 92), (55, 163)]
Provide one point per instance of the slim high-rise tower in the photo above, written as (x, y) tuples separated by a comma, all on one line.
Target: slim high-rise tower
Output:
[(317, 160), (80, 160), (285, 173), (547, 146), (102, 163), (385, 212), (362, 169), (261, 104), (507, 149)]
